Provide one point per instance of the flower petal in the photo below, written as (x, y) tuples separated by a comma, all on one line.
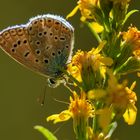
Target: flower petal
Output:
[(97, 27), (63, 116), (130, 115), (73, 12)]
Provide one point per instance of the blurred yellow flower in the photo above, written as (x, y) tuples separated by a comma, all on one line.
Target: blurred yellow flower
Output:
[(104, 118), (132, 38), (86, 8), (122, 99), (96, 94), (131, 110), (85, 64)]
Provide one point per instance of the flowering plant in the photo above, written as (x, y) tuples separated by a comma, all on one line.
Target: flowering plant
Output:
[(99, 95)]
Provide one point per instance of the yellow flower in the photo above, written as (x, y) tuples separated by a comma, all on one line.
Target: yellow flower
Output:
[(80, 110), (86, 65), (86, 7), (122, 99), (63, 116), (74, 68), (131, 111), (104, 118), (79, 107), (132, 38)]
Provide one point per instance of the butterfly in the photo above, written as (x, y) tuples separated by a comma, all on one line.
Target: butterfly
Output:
[(43, 45)]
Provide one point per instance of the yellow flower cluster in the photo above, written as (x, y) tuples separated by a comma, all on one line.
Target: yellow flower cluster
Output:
[(118, 100), (121, 99), (85, 64), (97, 73)]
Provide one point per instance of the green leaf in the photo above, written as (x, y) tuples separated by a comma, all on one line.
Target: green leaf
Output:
[(128, 15), (130, 66), (111, 129), (45, 132)]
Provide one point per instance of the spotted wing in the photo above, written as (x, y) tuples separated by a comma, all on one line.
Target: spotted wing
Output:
[(51, 41), (40, 45)]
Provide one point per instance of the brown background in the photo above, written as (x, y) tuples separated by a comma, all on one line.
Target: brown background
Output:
[(19, 87)]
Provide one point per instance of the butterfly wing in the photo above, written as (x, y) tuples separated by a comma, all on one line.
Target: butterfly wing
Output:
[(51, 40), (43, 45), (14, 41)]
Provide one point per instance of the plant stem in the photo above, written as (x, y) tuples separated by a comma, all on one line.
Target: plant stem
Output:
[(93, 31)]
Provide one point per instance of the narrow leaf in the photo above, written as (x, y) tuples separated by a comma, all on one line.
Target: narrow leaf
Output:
[(45, 132), (128, 15)]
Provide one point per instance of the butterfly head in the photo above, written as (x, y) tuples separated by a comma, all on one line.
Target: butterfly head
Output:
[(53, 83)]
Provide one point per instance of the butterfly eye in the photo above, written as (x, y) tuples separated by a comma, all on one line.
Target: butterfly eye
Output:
[(52, 81)]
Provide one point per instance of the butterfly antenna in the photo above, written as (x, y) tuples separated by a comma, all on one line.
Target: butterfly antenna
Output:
[(44, 96), (41, 99), (60, 101)]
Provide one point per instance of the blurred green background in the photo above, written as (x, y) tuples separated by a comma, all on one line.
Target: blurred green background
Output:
[(20, 88)]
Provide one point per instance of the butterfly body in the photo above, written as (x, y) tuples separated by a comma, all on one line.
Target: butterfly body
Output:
[(43, 45)]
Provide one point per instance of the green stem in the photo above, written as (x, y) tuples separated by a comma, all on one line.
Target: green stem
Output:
[(112, 128), (93, 32), (95, 124)]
